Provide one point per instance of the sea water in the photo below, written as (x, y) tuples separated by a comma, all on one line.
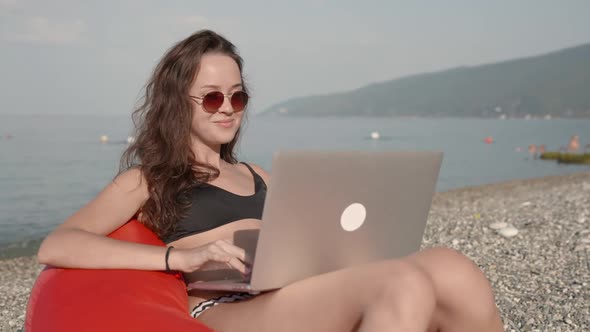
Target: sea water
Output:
[(51, 165)]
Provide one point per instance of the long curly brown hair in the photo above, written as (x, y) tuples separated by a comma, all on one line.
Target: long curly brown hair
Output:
[(162, 148)]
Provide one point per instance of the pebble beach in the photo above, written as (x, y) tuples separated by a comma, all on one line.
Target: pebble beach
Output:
[(530, 237)]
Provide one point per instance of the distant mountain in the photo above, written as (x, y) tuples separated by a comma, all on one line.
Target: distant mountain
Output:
[(556, 84)]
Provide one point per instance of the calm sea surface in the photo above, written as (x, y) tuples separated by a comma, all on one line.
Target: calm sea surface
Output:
[(53, 165)]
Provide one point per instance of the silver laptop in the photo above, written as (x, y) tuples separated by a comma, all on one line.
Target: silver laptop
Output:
[(325, 211)]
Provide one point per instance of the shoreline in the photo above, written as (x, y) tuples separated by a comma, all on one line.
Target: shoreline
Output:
[(544, 181), (540, 277)]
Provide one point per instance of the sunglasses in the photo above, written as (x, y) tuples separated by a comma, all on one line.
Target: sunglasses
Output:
[(212, 101)]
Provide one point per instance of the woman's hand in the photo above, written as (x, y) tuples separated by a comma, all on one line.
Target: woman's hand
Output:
[(222, 251)]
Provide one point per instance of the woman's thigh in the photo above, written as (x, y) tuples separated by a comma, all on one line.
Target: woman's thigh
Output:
[(329, 302)]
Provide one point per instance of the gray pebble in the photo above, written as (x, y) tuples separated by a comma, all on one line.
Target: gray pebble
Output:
[(508, 231)]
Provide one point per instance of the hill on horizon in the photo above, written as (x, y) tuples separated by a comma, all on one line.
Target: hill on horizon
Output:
[(556, 84)]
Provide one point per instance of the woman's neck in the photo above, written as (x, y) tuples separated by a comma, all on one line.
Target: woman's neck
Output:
[(206, 154)]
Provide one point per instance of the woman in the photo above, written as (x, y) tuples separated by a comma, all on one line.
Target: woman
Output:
[(183, 181)]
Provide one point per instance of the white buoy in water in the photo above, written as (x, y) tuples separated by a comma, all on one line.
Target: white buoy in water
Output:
[(375, 135), (104, 138), (130, 139)]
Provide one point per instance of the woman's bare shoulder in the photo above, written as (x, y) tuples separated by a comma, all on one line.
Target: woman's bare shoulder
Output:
[(264, 174), (119, 201), (131, 181)]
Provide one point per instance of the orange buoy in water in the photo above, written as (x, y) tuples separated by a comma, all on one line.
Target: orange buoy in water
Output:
[(489, 140)]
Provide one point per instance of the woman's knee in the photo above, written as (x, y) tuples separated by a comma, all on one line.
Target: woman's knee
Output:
[(459, 281), (404, 285), (452, 265)]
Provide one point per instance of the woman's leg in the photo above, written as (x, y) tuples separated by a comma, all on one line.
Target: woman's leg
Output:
[(436, 288), (465, 301), (383, 296)]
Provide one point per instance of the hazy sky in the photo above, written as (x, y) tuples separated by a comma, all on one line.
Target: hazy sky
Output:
[(66, 56)]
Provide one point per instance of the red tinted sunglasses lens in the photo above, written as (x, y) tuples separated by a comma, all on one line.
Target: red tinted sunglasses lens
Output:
[(213, 101), (239, 100)]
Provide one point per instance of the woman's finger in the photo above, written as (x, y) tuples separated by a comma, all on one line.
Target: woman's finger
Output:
[(238, 265), (233, 250), (229, 260)]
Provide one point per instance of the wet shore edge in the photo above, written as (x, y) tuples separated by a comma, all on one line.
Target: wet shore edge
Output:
[(540, 276)]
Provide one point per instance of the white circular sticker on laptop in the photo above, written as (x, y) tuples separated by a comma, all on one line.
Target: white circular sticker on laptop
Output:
[(353, 217)]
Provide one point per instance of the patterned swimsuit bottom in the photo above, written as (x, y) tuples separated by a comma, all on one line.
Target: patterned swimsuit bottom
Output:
[(234, 297)]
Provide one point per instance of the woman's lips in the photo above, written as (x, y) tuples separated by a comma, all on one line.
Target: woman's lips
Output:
[(225, 123)]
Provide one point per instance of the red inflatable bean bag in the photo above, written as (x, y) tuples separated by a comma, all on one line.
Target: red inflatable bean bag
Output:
[(111, 300)]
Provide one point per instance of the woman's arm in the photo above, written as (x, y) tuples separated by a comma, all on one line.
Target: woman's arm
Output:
[(81, 240)]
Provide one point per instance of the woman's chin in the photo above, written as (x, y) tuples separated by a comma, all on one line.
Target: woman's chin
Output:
[(217, 138), (224, 139)]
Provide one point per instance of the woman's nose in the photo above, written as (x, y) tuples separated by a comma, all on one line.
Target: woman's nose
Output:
[(226, 107)]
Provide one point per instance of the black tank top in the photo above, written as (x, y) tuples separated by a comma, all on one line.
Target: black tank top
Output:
[(212, 207)]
